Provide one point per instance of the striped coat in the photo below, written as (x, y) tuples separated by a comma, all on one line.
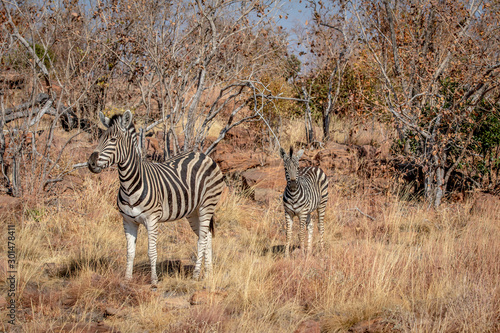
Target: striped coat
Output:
[(187, 185), (305, 192)]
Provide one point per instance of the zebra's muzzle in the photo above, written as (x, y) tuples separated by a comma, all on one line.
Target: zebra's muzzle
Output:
[(293, 185), (93, 167)]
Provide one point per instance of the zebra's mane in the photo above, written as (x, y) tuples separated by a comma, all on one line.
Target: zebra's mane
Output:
[(131, 130), (114, 119)]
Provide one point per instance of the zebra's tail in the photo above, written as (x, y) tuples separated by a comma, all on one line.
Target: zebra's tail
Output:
[(211, 227)]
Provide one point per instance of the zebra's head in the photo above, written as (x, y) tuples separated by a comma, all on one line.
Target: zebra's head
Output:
[(291, 166), (114, 142)]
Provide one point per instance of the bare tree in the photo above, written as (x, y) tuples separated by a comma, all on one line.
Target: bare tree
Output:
[(438, 63), (52, 85), (201, 65), (181, 65), (333, 45)]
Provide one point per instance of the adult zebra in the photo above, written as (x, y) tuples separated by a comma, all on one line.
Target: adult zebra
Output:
[(306, 190), (187, 185)]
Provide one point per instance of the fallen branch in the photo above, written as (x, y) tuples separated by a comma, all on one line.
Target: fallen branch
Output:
[(364, 214), (40, 114), (60, 177), (39, 99)]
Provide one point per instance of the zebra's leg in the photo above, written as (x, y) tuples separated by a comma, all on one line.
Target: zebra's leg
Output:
[(130, 228), (200, 225), (289, 224), (152, 227), (208, 253), (321, 224), (304, 219), (310, 229)]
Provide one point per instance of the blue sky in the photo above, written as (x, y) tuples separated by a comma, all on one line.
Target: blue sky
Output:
[(297, 11), (296, 16)]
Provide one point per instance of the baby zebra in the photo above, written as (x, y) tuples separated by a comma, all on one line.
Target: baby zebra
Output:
[(187, 185), (306, 190)]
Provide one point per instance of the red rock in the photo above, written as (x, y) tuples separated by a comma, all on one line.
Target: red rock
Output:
[(266, 177), (207, 297), (238, 161)]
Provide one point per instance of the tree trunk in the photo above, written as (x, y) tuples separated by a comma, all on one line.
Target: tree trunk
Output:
[(440, 186), (326, 125), (191, 116), (308, 119), (435, 180), (16, 183), (2, 152)]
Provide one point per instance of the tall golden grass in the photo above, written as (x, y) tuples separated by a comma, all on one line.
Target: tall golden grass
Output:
[(414, 269), (410, 269)]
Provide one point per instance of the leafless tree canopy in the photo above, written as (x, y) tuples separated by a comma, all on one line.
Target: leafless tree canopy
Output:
[(427, 68), (433, 66), (180, 65)]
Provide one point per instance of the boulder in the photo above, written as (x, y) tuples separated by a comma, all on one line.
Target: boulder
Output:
[(230, 162), (335, 157), (264, 177)]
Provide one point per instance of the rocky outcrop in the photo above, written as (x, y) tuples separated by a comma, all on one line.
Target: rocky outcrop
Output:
[(264, 183), (263, 176), (231, 161)]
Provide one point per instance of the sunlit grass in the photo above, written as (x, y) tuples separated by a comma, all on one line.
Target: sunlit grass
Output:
[(413, 269)]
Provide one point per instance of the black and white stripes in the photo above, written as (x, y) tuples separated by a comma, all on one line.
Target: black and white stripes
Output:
[(305, 192), (188, 185)]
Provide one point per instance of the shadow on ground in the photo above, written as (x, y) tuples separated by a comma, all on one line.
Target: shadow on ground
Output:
[(279, 250), (169, 267)]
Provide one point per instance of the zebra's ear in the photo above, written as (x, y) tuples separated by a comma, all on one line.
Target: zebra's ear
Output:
[(126, 119), (104, 119), (282, 153), (299, 153)]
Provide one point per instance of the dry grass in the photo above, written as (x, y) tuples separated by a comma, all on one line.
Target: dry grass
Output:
[(413, 269), (342, 130), (348, 131)]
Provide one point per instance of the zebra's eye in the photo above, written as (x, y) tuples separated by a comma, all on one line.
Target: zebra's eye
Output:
[(112, 140)]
